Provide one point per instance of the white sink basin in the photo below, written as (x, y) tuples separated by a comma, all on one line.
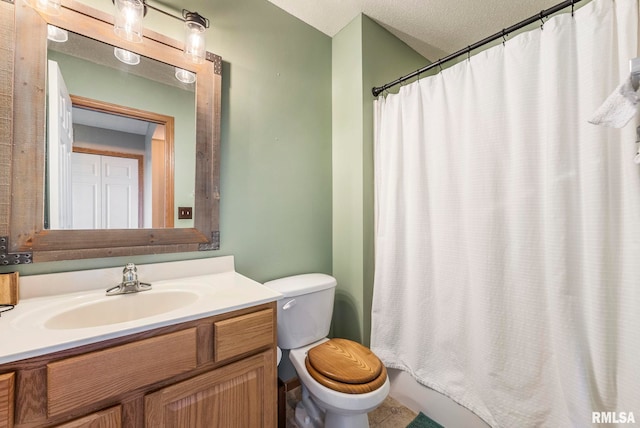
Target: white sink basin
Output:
[(121, 308), (94, 309)]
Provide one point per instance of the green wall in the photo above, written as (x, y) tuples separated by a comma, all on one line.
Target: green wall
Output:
[(364, 55), (347, 180), (275, 213)]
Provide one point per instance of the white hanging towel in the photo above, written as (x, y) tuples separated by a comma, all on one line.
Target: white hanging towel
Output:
[(619, 107)]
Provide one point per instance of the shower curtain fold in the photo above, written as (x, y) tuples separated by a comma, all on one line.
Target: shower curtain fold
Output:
[(508, 227)]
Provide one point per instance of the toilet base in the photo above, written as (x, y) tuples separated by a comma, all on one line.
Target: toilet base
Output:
[(331, 420), (335, 420), (304, 420), (310, 415)]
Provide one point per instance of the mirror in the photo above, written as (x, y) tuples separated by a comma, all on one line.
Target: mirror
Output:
[(23, 202), (114, 166), (119, 149)]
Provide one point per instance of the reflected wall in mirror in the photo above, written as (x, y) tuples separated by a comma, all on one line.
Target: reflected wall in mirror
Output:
[(30, 221)]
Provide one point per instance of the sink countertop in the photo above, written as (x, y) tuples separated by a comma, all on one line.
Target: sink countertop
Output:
[(23, 335)]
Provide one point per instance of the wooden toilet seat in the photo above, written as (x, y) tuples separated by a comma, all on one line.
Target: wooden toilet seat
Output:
[(345, 366)]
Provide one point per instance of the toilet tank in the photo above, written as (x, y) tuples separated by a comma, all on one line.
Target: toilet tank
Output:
[(305, 310)]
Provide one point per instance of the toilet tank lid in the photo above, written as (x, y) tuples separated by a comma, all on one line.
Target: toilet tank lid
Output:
[(302, 284)]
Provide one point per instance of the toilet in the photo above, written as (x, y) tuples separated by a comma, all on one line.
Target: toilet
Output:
[(341, 380)]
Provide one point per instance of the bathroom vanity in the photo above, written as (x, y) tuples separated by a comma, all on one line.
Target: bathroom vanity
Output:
[(210, 363)]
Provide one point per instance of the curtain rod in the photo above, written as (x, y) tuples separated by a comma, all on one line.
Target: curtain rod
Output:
[(501, 34)]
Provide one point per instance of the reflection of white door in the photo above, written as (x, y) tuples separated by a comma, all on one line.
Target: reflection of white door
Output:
[(87, 206), (60, 140), (120, 192), (105, 192)]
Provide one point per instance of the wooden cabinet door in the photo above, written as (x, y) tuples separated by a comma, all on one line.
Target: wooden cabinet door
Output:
[(6, 400), (241, 394), (109, 418)]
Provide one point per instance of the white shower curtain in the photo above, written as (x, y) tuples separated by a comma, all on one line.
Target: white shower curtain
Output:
[(508, 228)]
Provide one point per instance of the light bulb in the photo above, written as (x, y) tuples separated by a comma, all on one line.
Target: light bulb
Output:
[(185, 76), (126, 56), (194, 40), (56, 34), (50, 7), (128, 20)]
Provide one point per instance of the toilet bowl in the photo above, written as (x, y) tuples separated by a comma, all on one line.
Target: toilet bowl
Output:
[(341, 380), (352, 407)]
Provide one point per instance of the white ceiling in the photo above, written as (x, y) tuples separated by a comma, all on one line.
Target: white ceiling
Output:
[(434, 28)]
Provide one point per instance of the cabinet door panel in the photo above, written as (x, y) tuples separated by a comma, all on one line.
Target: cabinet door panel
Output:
[(241, 394), (6, 399), (109, 418)]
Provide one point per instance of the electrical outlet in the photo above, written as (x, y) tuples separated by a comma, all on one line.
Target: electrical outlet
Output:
[(185, 213)]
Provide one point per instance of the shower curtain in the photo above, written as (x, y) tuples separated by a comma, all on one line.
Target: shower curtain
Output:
[(508, 228)]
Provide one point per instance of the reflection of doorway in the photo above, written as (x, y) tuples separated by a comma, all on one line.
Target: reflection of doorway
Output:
[(77, 123), (106, 190), (156, 187)]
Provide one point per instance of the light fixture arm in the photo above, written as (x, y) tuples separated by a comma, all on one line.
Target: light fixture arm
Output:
[(187, 16), (194, 17)]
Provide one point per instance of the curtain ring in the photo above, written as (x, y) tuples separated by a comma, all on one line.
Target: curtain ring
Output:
[(542, 20), (573, 3), (468, 53), (504, 36), (440, 65)]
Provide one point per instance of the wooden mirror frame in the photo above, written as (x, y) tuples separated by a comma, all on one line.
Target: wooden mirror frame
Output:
[(23, 238)]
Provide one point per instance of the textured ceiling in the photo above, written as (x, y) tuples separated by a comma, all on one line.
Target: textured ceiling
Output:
[(434, 28)]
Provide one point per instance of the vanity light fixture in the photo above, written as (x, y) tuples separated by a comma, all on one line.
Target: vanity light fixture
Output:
[(185, 76), (128, 25), (126, 56), (56, 34), (49, 7), (128, 19), (194, 41)]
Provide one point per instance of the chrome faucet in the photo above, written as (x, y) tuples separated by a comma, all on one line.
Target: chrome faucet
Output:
[(130, 282)]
